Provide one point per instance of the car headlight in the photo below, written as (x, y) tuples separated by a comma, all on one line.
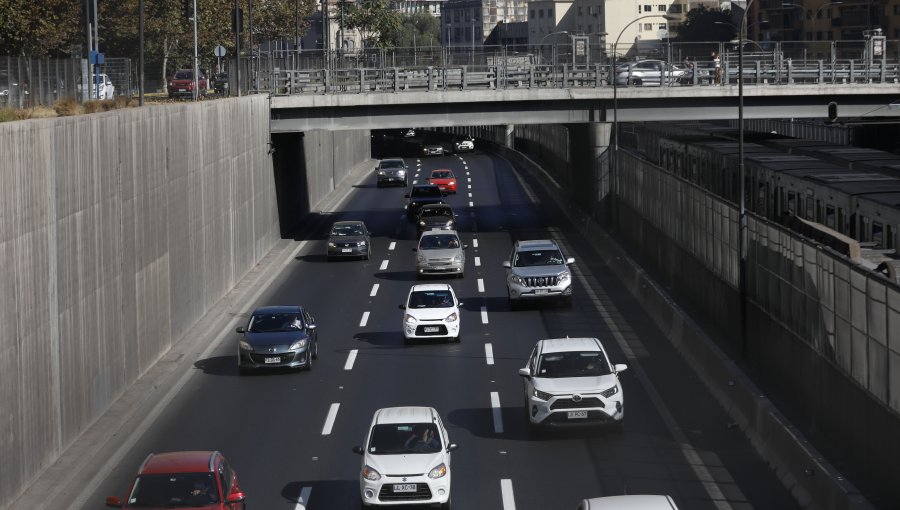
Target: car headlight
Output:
[(438, 472), (453, 317), (245, 345), (610, 392), (457, 257), (401, 172), (369, 473), (299, 344), (361, 243), (517, 279), (381, 172), (420, 258), (563, 277), (421, 223), (451, 183), (541, 395), (331, 244), (409, 319)]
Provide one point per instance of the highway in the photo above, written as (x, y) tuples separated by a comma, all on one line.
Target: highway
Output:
[(289, 434)]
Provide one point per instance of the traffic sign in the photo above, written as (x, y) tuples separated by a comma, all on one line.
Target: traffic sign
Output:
[(219, 51)]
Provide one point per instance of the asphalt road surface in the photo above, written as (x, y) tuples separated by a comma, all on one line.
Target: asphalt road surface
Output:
[(289, 434)]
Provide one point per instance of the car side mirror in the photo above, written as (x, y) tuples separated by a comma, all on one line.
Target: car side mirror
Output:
[(452, 446), (525, 372), (465, 246), (358, 450), (403, 307), (570, 260), (311, 325), (620, 367), (506, 264), (113, 501), (235, 497), (240, 329), (460, 303)]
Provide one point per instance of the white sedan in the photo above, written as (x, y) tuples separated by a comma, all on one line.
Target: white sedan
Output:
[(570, 382), (431, 310)]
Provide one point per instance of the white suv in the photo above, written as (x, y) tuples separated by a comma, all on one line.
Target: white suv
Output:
[(406, 459), (570, 381), (432, 310)]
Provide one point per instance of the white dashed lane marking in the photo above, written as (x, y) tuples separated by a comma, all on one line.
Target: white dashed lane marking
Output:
[(475, 243), (481, 285), (470, 194), (506, 490), (471, 204), (484, 317), (393, 243), (477, 261), (489, 353), (329, 420), (303, 501), (365, 319), (470, 186), (351, 358), (383, 266), (374, 290), (495, 409)]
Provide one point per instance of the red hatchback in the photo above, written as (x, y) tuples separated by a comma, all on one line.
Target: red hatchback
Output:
[(202, 480), (443, 179)]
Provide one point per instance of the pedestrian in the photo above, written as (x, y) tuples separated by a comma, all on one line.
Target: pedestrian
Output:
[(711, 65), (717, 62)]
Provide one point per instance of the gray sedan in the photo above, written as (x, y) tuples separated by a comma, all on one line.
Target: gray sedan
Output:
[(349, 239), (278, 336), (649, 73)]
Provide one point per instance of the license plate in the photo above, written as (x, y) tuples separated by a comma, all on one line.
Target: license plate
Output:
[(345, 250), (276, 359), (431, 329), (577, 415), (404, 487), (182, 90), (540, 291)]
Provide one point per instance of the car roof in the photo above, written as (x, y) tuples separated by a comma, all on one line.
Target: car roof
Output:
[(424, 287), (539, 244), (277, 309), (630, 502), (442, 170), (410, 414), (382, 160), (435, 206), (348, 222), (424, 186), (438, 232), (178, 462), (569, 344)]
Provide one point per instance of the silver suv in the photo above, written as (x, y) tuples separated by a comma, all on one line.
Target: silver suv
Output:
[(440, 252), (538, 270)]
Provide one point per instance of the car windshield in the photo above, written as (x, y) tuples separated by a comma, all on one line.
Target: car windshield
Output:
[(426, 192), (439, 242), (443, 174), (275, 322), (391, 164), (174, 491), (184, 75), (400, 438), (572, 364), (431, 299), (444, 212), (347, 230), (538, 258)]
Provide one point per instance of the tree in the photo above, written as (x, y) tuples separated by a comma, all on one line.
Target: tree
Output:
[(702, 25), (378, 23), (48, 28), (418, 29)]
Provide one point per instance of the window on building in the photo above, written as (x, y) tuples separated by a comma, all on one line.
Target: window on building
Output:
[(540, 13), (676, 9), (809, 14), (590, 29), (531, 14), (830, 220), (661, 8), (831, 35), (896, 10), (648, 8), (819, 36), (579, 29), (662, 26), (580, 10), (640, 27), (878, 234), (648, 27)]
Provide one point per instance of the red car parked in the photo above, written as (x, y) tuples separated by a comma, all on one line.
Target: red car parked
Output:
[(202, 480), (443, 179), (182, 84)]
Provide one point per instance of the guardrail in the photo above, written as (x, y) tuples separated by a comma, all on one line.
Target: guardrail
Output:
[(431, 78)]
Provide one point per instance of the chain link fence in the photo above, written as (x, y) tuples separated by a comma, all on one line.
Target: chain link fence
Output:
[(27, 82)]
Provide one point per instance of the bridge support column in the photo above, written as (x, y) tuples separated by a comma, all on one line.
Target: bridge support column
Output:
[(590, 172), (509, 136)]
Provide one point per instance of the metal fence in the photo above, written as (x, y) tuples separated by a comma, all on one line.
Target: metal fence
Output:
[(27, 82)]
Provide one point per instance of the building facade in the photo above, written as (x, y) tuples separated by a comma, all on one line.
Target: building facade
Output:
[(470, 22)]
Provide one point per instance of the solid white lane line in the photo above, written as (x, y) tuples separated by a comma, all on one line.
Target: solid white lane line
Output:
[(506, 490), (484, 319), (481, 285), (303, 502), (374, 290), (477, 261), (471, 204), (489, 353), (365, 319), (393, 243), (383, 265), (495, 408), (351, 358), (329, 421), (475, 243)]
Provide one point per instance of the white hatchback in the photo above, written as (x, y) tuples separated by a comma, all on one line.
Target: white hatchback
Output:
[(405, 459), (431, 311), (570, 382)]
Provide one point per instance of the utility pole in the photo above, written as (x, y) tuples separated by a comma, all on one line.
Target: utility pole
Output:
[(141, 58), (196, 58), (237, 21)]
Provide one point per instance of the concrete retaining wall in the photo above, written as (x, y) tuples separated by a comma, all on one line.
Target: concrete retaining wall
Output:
[(117, 232)]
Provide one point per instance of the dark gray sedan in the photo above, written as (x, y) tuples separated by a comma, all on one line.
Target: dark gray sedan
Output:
[(278, 337), (349, 239)]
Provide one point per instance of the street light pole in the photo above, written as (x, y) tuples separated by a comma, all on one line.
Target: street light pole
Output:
[(541, 42)]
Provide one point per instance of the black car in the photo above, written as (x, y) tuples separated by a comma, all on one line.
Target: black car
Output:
[(422, 194), (435, 216), (349, 239), (278, 337)]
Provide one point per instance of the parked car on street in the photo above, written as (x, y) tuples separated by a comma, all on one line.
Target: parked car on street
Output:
[(188, 479), (182, 84), (101, 87), (405, 459), (571, 382), (278, 337)]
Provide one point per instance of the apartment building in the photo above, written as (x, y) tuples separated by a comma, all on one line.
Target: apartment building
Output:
[(470, 22)]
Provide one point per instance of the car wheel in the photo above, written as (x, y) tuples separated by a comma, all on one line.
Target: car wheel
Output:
[(309, 359), (315, 350)]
